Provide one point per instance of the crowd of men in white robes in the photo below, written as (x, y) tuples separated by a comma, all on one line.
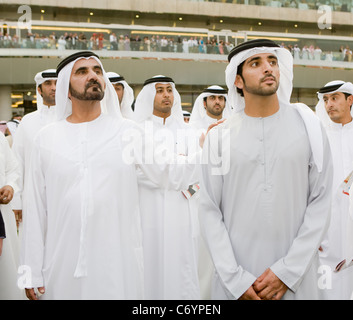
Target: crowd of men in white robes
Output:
[(117, 198)]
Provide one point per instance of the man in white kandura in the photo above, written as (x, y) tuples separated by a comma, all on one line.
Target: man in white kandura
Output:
[(169, 217), (334, 110), (9, 249), (266, 201), (209, 107), (125, 94), (29, 126), (81, 218)]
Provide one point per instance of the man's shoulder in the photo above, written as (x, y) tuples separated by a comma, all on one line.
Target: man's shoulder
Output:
[(29, 116)]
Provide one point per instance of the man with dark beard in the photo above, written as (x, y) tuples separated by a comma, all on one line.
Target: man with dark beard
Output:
[(81, 228), (209, 107)]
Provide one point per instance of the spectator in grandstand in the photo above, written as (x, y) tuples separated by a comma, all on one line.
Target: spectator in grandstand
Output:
[(61, 43)]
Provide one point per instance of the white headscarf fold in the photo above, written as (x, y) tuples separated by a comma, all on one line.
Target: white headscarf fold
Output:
[(199, 111), (109, 104), (346, 87), (39, 79), (128, 97), (145, 102), (285, 62)]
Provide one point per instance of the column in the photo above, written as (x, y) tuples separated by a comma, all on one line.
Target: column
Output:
[(5, 102)]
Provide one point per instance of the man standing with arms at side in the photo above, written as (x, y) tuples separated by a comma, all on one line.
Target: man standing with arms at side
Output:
[(334, 110), (266, 203), (169, 217), (30, 125), (81, 220)]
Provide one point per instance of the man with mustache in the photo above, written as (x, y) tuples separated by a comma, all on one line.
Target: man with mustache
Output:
[(334, 110), (264, 218), (81, 223), (209, 107), (169, 217)]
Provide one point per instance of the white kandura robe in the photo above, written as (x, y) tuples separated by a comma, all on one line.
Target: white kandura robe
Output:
[(170, 225), (81, 211), (29, 126), (205, 265), (9, 175), (271, 206), (334, 245)]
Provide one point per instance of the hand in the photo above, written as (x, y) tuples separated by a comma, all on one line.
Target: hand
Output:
[(18, 217), (269, 287), (250, 294), (203, 136), (1, 241), (31, 295), (6, 194)]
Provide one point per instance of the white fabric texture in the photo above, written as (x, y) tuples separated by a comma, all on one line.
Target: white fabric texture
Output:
[(78, 245), (261, 154), (10, 252), (145, 99), (30, 125), (285, 61), (128, 97), (109, 104), (338, 243), (39, 80), (320, 109), (264, 219), (198, 110), (170, 229)]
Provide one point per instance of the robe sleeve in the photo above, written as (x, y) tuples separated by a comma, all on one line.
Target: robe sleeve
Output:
[(34, 221), (18, 148), (235, 280), (163, 168), (11, 166), (292, 268)]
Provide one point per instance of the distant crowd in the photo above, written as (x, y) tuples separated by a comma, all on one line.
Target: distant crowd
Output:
[(155, 43), (98, 41)]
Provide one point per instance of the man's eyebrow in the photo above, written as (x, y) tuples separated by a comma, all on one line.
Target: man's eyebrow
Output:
[(253, 59), (258, 58), (85, 68), (162, 87), (330, 95)]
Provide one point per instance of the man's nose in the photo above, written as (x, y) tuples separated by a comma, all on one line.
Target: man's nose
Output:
[(268, 68), (92, 75)]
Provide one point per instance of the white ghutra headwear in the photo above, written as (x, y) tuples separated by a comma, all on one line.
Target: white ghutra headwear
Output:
[(145, 100), (110, 102), (329, 88), (128, 97), (250, 48), (199, 111)]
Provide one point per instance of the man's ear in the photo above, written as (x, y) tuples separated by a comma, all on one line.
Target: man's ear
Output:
[(204, 104), (350, 100), (239, 83), (39, 90)]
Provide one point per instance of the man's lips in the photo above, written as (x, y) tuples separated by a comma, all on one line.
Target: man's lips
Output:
[(269, 80)]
